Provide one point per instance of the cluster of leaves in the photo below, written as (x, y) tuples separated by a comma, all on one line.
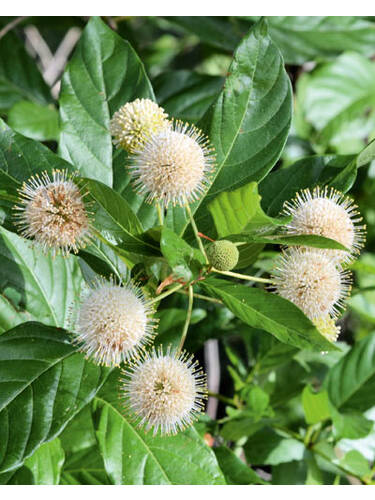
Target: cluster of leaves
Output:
[(288, 414)]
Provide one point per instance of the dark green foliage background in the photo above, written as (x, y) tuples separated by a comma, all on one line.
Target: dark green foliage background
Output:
[(288, 103)]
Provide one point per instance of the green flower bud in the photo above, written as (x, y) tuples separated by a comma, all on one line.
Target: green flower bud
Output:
[(223, 255)]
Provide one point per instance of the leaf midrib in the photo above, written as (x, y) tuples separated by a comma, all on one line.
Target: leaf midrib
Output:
[(125, 422)]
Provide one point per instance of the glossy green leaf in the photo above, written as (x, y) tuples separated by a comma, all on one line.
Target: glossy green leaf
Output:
[(46, 463), (39, 366), (235, 471), (306, 38), (114, 216), (315, 405), (34, 276), (34, 121), (351, 382), (10, 316), (85, 467), (367, 155), (186, 262), (20, 78), (308, 240), (269, 447), (248, 124), (269, 312), (283, 184), (186, 95), (20, 158), (132, 456), (240, 211), (103, 74), (21, 476)]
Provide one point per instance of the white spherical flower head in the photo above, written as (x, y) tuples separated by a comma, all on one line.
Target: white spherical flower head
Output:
[(164, 392), (311, 280), (328, 213), (114, 322), (173, 166), (134, 122), (53, 213), (327, 327)]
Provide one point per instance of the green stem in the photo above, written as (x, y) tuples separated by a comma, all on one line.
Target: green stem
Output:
[(242, 276), (195, 229), (203, 297), (165, 294), (224, 399), (160, 214), (187, 320)]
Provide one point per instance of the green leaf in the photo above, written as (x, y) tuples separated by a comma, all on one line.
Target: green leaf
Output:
[(34, 121), (307, 38), (351, 382), (39, 365), (10, 316), (132, 456), (186, 95), (269, 312), (367, 155), (115, 216), (20, 78), (213, 31), (239, 211), (269, 447), (283, 184), (353, 462), (350, 425), (315, 405), (103, 74), (85, 467), (20, 158), (356, 463), (21, 476), (248, 124), (336, 98), (235, 471), (308, 240), (186, 262), (33, 276), (46, 463)]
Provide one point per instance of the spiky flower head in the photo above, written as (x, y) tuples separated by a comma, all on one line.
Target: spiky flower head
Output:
[(134, 122), (327, 212), (311, 280), (222, 255), (174, 165), (164, 391), (53, 213), (327, 327), (114, 322)]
